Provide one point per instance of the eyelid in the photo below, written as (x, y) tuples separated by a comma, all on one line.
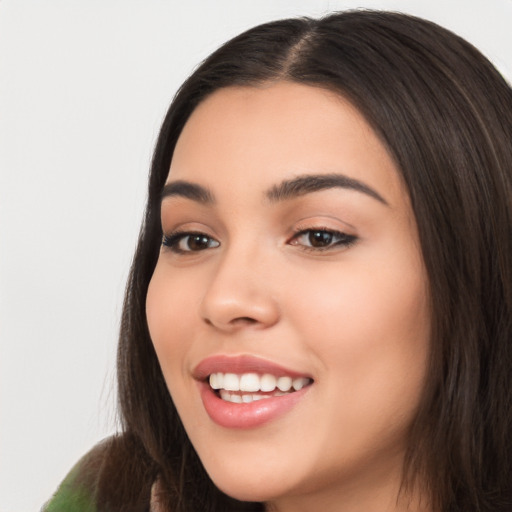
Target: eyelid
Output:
[(345, 240), (171, 240)]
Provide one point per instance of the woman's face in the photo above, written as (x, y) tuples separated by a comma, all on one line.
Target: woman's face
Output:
[(290, 257)]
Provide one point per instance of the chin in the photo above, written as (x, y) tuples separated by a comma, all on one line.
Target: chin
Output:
[(248, 488)]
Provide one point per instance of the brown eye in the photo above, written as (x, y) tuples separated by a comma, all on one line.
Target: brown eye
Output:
[(322, 239), (196, 242), (189, 242)]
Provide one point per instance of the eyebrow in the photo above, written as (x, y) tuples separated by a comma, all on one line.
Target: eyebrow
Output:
[(287, 189), (188, 190), (314, 182)]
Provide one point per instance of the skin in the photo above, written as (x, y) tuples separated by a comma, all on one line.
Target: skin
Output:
[(354, 317)]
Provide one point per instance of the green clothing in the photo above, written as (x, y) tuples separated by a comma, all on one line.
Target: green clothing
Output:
[(71, 496)]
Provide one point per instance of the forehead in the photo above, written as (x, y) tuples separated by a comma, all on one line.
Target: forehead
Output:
[(261, 135)]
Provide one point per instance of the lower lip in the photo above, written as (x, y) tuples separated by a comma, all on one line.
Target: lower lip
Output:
[(247, 415)]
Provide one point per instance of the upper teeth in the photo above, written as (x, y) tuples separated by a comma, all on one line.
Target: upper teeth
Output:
[(252, 382)]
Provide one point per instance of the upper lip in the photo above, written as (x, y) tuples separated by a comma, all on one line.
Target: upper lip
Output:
[(241, 364)]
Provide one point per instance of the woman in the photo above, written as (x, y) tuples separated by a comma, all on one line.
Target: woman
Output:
[(319, 311)]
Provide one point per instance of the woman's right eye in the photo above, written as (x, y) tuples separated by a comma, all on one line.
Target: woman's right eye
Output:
[(183, 242)]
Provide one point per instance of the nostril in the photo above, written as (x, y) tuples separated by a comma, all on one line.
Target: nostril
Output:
[(244, 320)]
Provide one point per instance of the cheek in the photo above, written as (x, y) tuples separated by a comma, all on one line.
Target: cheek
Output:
[(168, 312), (370, 330), (363, 303), (377, 312)]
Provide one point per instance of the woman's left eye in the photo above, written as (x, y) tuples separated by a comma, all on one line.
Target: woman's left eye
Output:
[(322, 239), (189, 242)]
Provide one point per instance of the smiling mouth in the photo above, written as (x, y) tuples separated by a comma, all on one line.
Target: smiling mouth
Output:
[(250, 387)]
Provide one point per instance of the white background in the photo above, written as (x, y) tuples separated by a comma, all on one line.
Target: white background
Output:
[(83, 88)]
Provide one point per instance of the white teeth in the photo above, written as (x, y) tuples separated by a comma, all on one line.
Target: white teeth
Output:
[(246, 398), (252, 383), (230, 397), (260, 397), (299, 383), (249, 382), (231, 382), (268, 382), (217, 380), (284, 383)]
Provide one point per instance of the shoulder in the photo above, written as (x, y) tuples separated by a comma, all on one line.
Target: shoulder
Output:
[(115, 475), (78, 490)]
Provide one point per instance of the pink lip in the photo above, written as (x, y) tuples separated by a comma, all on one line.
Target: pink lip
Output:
[(244, 415)]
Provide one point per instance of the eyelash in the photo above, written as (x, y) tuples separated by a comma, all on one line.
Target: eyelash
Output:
[(344, 240), (173, 240)]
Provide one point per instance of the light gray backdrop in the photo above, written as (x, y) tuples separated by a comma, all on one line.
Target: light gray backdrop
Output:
[(83, 88)]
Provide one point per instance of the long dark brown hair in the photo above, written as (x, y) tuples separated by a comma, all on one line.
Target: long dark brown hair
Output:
[(445, 115)]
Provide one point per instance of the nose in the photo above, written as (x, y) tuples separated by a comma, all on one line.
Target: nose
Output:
[(240, 294)]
